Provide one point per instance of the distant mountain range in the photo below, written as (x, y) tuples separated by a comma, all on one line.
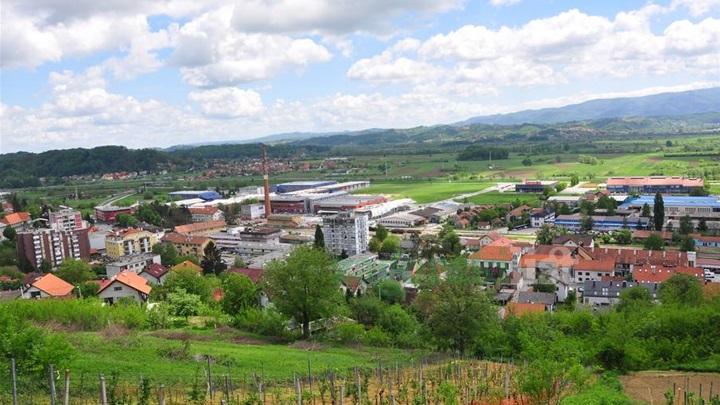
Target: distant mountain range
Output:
[(664, 104)]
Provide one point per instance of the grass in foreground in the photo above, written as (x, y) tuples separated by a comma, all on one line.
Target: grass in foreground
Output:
[(161, 355)]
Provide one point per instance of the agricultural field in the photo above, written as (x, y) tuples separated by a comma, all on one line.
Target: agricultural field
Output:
[(653, 386)]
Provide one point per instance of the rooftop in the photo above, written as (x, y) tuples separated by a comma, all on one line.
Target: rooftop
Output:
[(674, 201)]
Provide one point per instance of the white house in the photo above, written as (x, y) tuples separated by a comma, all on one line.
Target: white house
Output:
[(125, 284)]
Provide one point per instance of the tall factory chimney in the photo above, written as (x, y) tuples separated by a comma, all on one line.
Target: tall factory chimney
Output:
[(266, 181)]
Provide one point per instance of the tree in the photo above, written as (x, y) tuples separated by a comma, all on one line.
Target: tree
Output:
[(238, 263), (167, 253), (654, 242), (240, 294), (381, 233), (304, 286), (645, 211), (668, 143), (212, 262), (87, 289), (586, 223), (188, 279), (10, 233), (527, 162), (544, 235), (564, 209), (183, 303), (625, 224), (367, 310), (390, 245), (45, 266), (75, 271), (607, 203), (126, 220), (187, 258), (687, 244), (623, 237), (456, 310), (634, 298), (702, 225), (686, 225), (681, 289), (699, 192), (574, 180), (374, 245), (451, 246), (319, 238), (658, 212), (391, 291)]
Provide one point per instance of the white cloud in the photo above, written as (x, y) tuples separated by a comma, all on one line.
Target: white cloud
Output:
[(335, 17), (211, 53), (384, 68), (549, 51), (697, 8), (500, 3), (228, 102)]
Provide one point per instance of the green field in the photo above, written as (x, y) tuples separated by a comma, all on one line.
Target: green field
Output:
[(500, 198), (121, 354), (426, 191)]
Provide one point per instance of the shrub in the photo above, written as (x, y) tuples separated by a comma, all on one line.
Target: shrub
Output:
[(348, 333), (377, 337), (267, 322)]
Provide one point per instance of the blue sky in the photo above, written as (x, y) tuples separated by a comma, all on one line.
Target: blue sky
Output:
[(159, 73)]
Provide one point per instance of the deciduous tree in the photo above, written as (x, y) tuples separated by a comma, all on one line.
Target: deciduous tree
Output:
[(240, 293), (654, 242), (75, 271), (304, 286), (681, 289)]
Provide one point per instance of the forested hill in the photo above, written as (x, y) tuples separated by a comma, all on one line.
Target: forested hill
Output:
[(663, 104), (22, 169)]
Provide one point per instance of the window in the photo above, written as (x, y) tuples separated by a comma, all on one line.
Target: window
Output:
[(117, 288)]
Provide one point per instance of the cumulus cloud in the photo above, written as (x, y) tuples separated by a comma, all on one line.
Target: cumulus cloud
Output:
[(335, 17), (227, 102), (212, 53), (548, 51)]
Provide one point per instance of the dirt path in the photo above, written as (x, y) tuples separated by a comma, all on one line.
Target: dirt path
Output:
[(651, 386)]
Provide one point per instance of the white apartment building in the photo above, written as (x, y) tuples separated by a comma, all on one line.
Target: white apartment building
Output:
[(346, 232), (66, 220)]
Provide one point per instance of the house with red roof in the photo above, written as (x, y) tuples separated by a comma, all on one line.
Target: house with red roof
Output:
[(593, 270), (125, 285), (255, 275), (497, 257), (202, 228), (154, 273), (17, 220), (658, 274), (206, 214), (45, 286)]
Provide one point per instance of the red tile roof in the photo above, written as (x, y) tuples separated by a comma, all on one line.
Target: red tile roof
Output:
[(184, 239), (253, 274), (595, 265), (644, 234), (187, 264), (15, 218), (200, 226), (53, 285), (131, 280), (156, 270), (519, 309), (496, 253), (204, 210), (658, 274)]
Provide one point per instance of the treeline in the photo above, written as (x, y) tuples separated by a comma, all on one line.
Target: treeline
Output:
[(483, 153), (249, 150), (22, 169)]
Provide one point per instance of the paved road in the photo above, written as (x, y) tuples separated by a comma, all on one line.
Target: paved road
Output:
[(468, 195), (117, 197)]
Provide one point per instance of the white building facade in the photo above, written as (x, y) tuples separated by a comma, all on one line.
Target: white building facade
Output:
[(346, 232)]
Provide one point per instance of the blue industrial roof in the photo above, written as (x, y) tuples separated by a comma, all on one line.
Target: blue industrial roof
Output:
[(675, 201)]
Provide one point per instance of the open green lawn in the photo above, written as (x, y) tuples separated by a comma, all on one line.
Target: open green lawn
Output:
[(426, 191), (138, 353), (500, 198)]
